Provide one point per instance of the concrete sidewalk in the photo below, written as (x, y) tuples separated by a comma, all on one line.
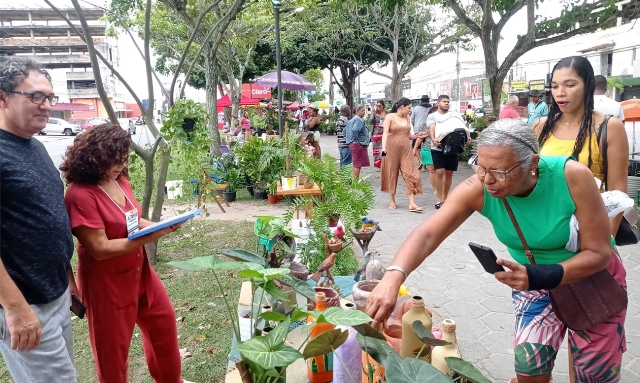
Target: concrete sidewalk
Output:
[(455, 284)]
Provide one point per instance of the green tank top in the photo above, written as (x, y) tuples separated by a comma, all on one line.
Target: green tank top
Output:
[(543, 216)]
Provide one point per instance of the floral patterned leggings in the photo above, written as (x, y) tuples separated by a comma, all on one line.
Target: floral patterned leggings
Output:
[(597, 352)]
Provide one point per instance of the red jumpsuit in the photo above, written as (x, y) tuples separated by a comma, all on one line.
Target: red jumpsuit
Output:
[(122, 291)]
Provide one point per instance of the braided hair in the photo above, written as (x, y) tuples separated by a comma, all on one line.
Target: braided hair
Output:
[(583, 68)]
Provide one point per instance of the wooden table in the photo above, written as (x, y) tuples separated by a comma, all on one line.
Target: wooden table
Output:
[(301, 191)]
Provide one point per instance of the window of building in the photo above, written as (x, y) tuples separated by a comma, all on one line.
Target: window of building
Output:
[(606, 63)]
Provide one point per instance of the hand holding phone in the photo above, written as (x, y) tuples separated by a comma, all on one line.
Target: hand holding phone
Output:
[(487, 258), (77, 307)]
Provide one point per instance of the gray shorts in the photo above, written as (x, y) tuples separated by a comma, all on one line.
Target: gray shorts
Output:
[(52, 360)]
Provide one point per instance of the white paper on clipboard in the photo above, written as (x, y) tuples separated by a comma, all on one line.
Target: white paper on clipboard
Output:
[(166, 223)]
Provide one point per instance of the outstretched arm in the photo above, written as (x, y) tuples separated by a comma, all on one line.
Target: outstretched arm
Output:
[(424, 240)]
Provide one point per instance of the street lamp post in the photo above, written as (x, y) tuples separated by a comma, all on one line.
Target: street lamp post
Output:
[(276, 10)]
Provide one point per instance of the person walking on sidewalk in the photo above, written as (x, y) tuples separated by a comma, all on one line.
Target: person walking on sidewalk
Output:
[(509, 110), (544, 193), (36, 279), (397, 156), (357, 137), (378, 129), (343, 147), (419, 123), (604, 104), (116, 281), (444, 165), (536, 108)]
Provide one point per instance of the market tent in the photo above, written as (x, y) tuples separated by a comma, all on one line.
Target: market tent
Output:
[(631, 109), (294, 106), (225, 101)]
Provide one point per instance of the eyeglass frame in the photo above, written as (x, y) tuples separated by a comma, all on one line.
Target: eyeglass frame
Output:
[(30, 96), (503, 173)]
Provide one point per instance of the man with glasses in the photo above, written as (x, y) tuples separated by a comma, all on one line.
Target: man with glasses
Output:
[(36, 248)]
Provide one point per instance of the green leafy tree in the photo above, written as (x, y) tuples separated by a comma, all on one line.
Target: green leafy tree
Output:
[(407, 34), (577, 17)]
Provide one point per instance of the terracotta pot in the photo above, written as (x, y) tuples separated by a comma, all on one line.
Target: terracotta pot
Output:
[(333, 221), (273, 199), (333, 299), (302, 178), (361, 291), (309, 185)]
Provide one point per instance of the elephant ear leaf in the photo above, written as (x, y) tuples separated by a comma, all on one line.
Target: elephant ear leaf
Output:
[(427, 336), (411, 370), (325, 343), (466, 370)]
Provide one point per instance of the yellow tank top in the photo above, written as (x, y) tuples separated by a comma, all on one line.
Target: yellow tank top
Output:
[(557, 147)]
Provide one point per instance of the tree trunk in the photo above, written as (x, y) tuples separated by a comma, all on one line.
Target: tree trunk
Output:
[(211, 83), (348, 77), (396, 89), (165, 157), (148, 186), (496, 93)]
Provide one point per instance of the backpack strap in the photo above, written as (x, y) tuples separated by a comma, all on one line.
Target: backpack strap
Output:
[(602, 143)]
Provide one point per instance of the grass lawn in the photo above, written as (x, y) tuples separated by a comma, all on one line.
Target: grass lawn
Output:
[(204, 329)]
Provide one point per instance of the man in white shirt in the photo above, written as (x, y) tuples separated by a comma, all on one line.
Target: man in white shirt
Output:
[(604, 104), (444, 165)]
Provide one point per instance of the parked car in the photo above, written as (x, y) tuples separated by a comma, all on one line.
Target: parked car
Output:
[(128, 124), (88, 123), (60, 126)]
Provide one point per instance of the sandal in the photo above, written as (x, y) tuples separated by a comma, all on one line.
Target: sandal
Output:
[(439, 205), (416, 210)]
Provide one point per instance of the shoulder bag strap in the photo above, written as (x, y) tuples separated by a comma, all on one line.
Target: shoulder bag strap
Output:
[(602, 142), (527, 251)]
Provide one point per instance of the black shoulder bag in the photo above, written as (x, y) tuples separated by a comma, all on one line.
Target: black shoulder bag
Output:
[(628, 231), (584, 304)]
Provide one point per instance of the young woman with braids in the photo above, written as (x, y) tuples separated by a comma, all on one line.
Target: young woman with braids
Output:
[(572, 126)]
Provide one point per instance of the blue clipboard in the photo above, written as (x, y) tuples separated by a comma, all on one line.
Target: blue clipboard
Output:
[(166, 223)]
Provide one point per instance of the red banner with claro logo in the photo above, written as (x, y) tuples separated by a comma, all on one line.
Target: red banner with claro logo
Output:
[(255, 91)]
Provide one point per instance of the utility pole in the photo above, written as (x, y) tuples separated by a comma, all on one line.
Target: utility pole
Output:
[(458, 71)]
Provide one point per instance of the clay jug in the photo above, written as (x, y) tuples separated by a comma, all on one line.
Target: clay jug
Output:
[(440, 352), (410, 341), (320, 368), (393, 325)]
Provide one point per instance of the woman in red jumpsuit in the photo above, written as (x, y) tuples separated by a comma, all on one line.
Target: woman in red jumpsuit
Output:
[(115, 280)]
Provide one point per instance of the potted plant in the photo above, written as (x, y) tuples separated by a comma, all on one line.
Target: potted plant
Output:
[(234, 181), (273, 193)]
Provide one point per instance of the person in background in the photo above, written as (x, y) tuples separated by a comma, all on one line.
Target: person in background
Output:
[(117, 284), (377, 120), (397, 157), (418, 122), (572, 126), (444, 165), (536, 108), (357, 137), (343, 147), (336, 110), (312, 124), (245, 122), (509, 110), (36, 279), (604, 104), (543, 193)]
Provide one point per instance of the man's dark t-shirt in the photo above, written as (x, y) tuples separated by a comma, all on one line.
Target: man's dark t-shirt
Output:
[(35, 234)]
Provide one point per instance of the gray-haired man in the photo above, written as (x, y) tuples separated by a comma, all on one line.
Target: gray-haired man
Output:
[(36, 247)]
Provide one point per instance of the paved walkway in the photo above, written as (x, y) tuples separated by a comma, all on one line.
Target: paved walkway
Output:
[(453, 282)]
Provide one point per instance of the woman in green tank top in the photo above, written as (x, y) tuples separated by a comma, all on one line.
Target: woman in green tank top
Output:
[(543, 193)]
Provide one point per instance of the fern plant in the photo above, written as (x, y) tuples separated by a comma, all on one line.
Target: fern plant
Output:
[(343, 197)]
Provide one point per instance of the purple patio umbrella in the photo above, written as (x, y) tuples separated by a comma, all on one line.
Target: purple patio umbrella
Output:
[(290, 80)]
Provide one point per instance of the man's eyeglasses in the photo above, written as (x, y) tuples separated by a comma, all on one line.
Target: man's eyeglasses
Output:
[(38, 98), (498, 175)]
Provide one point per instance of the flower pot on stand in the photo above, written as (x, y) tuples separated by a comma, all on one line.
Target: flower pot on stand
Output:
[(273, 199), (229, 196), (289, 183), (333, 221)]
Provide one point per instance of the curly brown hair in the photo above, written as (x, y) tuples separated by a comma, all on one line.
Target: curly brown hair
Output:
[(93, 154)]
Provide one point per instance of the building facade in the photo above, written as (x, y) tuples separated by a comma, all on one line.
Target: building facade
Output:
[(34, 30)]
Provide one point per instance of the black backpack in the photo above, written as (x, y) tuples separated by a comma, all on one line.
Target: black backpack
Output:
[(454, 142)]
